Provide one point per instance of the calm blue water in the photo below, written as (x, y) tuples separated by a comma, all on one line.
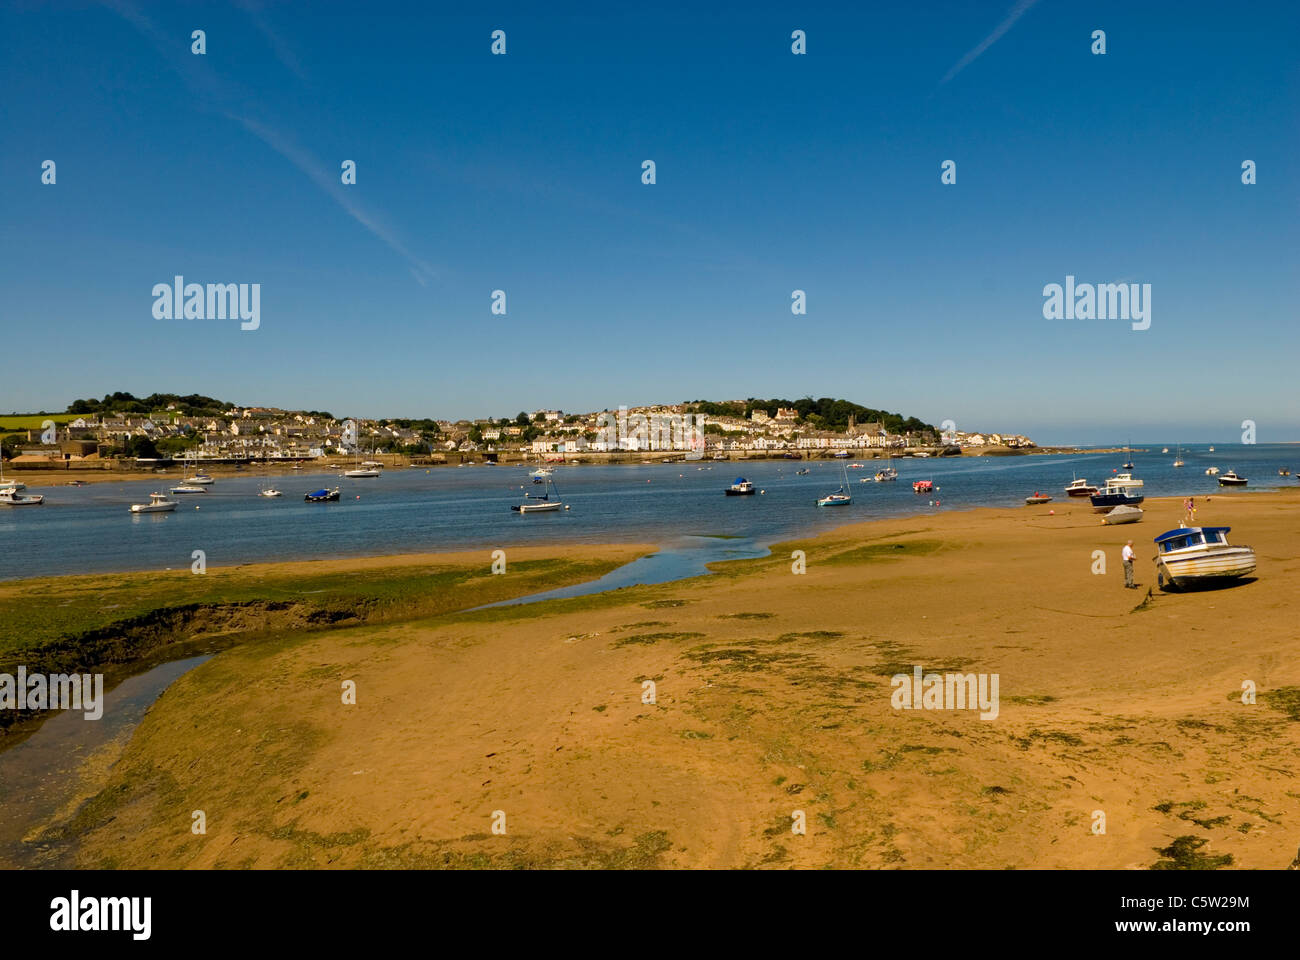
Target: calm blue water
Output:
[(678, 506)]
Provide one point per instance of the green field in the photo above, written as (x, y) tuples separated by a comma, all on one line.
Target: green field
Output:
[(31, 421)]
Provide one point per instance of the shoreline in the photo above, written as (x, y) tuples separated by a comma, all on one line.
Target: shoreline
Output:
[(35, 476)]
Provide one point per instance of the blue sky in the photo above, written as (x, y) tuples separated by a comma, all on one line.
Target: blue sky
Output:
[(774, 172)]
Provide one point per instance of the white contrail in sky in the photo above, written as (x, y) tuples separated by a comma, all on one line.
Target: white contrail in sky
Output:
[(1016, 11)]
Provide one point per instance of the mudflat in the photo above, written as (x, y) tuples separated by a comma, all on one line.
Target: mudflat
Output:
[(694, 724)]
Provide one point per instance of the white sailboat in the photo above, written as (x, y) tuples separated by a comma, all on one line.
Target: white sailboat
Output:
[(542, 503), (840, 497), (1178, 457)]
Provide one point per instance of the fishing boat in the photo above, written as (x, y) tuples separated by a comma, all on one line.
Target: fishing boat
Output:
[(1178, 457), (1230, 479), (741, 488), (1111, 496), (1079, 487), (541, 504), (158, 503), (1124, 480), (189, 488), (1123, 515), (1211, 471), (10, 497), (1037, 498), (1190, 556), (922, 486), (840, 497), (322, 496)]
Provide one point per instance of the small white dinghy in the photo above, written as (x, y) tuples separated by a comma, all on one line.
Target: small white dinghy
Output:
[(1123, 514)]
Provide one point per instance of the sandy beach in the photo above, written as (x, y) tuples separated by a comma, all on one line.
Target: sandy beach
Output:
[(522, 736)]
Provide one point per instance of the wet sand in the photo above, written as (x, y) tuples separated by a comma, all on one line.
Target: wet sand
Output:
[(772, 696)]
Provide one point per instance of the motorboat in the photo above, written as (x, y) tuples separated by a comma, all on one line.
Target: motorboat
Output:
[(322, 495), (199, 479), (1124, 480), (1166, 449), (1211, 471), (189, 488), (1123, 515), (1230, 479), (270, 492), (1211, 450), (1284, 472), (158, 503), (802, 473), (1037, 498), (10, 497), (1190, 556), (886, 474), (922, 486), (740, 488), (1112, 496), (1079, 488)]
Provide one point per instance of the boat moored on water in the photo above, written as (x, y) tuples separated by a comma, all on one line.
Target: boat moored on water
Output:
[(158, 503), (1079, 488), (1123, 515), (1191, 556), (322, 495), (1284, 472), (189, 488), (10, 497), (269, 492), (542, 503), (1230, 479), (886, 474), (1211, 471), (840, 497), (740, 488), (922, 486)]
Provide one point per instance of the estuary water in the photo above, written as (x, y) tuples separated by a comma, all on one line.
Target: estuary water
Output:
[(679, 506)]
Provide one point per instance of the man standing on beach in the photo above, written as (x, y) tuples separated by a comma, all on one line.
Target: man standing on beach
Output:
[(1128, 564)]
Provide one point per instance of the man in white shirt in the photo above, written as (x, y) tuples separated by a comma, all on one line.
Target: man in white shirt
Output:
[(1128, 564)]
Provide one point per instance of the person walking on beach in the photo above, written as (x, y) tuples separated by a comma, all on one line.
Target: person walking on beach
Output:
[(1128, 555)]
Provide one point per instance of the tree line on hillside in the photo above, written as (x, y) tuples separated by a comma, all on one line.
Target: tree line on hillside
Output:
[(826, 413)]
